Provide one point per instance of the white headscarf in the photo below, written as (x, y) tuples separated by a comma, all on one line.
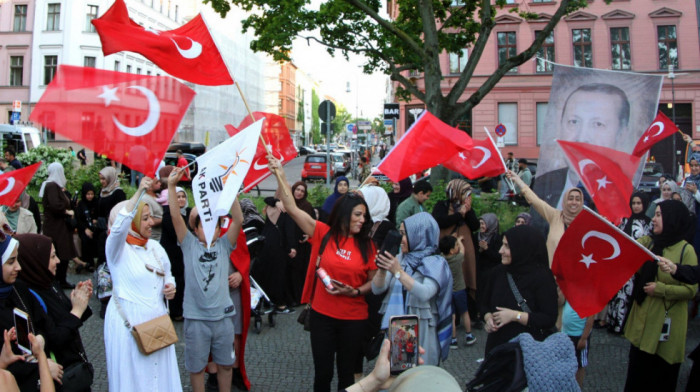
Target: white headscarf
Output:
[(55, 175), (378, 202)]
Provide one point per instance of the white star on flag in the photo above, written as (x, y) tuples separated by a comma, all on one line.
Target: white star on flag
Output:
[(603, 182), (461, 155), (109, 95), (646, 138), (588, 260)]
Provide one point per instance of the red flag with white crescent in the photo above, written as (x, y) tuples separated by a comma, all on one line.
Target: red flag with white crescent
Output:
[(129, 118), (661, 128), (187, 52), (593, 260), (279, 141), (482, 160), (14, 182)]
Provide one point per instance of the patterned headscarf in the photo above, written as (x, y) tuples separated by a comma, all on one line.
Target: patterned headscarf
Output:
[(456, 190)]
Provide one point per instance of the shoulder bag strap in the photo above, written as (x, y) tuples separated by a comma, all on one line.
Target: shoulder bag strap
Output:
[(522, 303), (324, 242), (121, 312)]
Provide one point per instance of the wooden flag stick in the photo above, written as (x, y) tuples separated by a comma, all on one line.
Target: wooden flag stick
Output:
[(267, 149)]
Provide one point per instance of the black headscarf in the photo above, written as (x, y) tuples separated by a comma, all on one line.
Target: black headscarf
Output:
[(642, 216), (33, 256), (87, 187), (528, 250), (675, 219)]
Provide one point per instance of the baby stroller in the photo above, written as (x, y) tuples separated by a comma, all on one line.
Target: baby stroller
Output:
[(259, 301)]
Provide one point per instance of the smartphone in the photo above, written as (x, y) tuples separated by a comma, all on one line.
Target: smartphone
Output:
[(403, 334), (22, 328), (392, 242), (339, 283)]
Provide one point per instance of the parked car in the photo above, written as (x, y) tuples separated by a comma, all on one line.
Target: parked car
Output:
[(193, 148), (351, 157), (650, 176), (315, 168), (306, 150), (171, 159), (23, 138), (340, 165)]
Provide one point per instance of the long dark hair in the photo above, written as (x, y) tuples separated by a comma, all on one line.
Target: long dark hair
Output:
[(339, 222)]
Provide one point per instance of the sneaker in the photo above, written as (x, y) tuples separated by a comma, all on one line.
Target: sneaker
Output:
[(286, 310), (454, 343), (470, 339)]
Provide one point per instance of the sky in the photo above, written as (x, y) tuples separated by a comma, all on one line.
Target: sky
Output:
[(367, 92)]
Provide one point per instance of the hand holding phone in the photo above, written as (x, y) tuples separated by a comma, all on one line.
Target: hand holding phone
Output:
[(404, 337), (22, 329), (392, 243)]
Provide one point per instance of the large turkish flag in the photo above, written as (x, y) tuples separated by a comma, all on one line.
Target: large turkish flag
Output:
[(129, 118), (482, 160), (188, 52), (593, 260), (276, 135)]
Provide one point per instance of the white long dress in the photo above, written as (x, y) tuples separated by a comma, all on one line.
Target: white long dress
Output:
[(140, 294)]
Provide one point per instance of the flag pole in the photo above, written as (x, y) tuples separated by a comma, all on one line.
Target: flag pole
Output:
[(506, 179)]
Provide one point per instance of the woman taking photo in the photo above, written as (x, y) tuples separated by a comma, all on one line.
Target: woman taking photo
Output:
[(338, 313), (658, 321), (141, 281), (523, 259), (419, 282), (57, 208), (37, 257)]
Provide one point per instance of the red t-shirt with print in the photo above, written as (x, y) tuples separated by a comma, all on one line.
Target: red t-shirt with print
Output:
[(343, 263)]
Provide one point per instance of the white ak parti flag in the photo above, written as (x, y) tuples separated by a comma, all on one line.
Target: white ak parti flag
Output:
[(221, 173)]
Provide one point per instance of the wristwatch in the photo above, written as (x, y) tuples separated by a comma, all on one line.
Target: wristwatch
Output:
[(397, 274), (519, 316)]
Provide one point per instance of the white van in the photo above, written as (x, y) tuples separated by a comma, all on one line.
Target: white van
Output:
[(22, 137)]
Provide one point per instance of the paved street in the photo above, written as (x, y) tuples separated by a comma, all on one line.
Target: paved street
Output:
[(279, 358)]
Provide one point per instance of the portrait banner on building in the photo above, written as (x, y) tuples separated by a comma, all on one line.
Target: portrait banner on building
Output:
[(600, 107)]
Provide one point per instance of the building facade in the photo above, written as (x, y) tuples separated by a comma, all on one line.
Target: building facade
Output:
[(644, 36)]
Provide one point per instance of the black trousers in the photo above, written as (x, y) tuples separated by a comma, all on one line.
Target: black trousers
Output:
[(334, 340), (649, 372)]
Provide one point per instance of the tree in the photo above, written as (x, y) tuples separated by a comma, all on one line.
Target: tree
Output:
[(342, 118), (300, 116), (315, 123), (378, 125), (413, 41)]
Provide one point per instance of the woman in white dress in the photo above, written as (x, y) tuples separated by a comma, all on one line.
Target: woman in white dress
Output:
[(141, 281)]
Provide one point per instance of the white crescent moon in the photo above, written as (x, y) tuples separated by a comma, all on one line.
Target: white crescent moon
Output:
[(605, 237), (193, 52), (151, 120), (661, 128), (262, 167), (487, 155), (8, 188), (583, 163)]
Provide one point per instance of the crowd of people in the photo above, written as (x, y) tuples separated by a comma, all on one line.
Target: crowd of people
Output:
[(453, 266)]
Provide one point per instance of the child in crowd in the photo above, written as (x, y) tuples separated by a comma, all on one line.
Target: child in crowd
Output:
[(453, 251), (207, 308), (579, 331)]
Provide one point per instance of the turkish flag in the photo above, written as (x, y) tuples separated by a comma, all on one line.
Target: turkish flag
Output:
[(607, 175), (129, 118), (14, 182), (276, 135), (661, 128), (593, 260), (482, 160), (427, 143), (188, 52)]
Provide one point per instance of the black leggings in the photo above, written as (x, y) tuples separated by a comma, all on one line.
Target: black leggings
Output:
[(328, 337)]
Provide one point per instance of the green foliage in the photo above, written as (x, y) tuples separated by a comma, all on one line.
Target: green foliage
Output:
[(342, 118), (317, 195), (315, 123), (88, 173), (47, 155)]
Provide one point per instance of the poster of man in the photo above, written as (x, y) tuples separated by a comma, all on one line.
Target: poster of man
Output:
[(605, 108)]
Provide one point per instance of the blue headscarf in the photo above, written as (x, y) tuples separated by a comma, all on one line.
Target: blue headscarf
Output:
[(330, 200), (423, 233), (7, 246)]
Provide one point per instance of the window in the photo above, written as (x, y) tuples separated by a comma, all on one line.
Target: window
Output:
[(148, 72), (458, 61), (16, 70), (138, 71), (117, 66), (89, 61), (506, 47), (508, 116), (128, 69), (53, 19), (176, 11), (91, 14), (583, 52), (20, 18), (546, 54), (541, 121), (50, 65), (620, 47), (668, 49)]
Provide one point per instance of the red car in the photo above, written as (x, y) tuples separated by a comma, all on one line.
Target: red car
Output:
[(315, 168)]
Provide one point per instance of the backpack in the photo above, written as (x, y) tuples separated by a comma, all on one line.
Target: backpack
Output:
[(502, 370)]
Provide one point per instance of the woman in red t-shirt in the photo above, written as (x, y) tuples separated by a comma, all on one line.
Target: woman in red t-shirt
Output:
[(338, 315)]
